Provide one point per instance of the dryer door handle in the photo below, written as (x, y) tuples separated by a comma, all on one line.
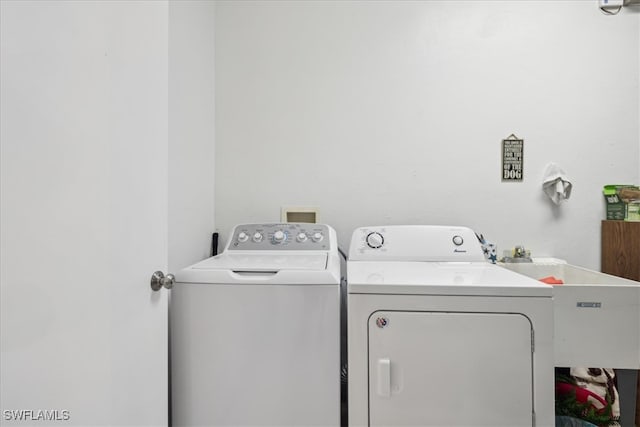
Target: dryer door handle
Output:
[(384, 377)]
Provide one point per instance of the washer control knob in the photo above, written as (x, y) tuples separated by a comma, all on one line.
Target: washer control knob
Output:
[(279, 236), (457, 240), (317, 237), (243, 237), (257, 237), (375, 240), (301, 237)]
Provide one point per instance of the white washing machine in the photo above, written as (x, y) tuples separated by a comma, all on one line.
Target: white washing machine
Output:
[(255, 331), (440, 337)]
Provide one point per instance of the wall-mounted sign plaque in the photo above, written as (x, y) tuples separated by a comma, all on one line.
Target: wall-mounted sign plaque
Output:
[(512, 158)]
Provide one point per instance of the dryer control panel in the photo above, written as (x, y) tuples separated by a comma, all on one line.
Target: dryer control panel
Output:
[(436, 243), (280, 236)]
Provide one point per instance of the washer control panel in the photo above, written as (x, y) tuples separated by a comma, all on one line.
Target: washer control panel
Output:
[(280, 236)]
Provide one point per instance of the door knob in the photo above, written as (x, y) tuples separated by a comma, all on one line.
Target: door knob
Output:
[(158, 280)]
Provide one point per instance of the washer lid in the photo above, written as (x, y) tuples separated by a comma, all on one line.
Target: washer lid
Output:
[(270, 262), (434, 278)]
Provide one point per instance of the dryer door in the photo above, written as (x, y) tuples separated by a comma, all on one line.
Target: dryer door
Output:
[(448, 368)]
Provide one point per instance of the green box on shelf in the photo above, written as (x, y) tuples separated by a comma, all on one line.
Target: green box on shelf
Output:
[(619, 208), (633, 211)]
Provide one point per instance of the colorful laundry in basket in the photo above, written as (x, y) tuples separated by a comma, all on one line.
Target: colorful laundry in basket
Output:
[(588, 394)]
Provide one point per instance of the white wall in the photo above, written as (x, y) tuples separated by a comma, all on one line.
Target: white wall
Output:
[(393, 113), (191, 130)]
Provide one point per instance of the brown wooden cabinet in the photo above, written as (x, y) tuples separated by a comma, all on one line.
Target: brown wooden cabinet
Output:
[(621, 249), (621, 257)]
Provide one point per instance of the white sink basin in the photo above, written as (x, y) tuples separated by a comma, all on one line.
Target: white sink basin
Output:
[(596, 315)]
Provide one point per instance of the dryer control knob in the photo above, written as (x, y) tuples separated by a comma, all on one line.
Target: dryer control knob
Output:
[(375, 240), (301, 237), (458, 240), (243, 237), (317, 237), (279, 236), (257, 237)]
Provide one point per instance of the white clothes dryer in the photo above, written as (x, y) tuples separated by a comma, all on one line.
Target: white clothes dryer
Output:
[(255, 331), (438, 336)]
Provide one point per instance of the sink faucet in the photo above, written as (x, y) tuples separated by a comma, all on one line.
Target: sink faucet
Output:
[(520, 254)]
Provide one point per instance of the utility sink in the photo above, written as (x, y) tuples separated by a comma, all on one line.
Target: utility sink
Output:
[(596, 315)]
